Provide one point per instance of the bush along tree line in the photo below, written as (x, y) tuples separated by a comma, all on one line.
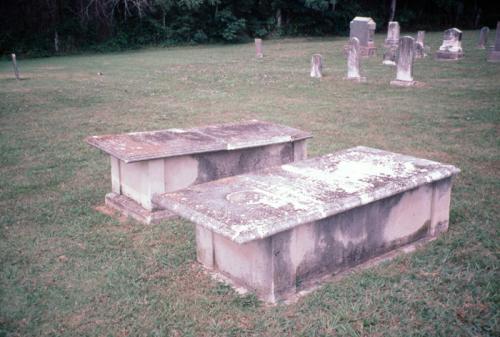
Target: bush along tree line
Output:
[(41, 28)]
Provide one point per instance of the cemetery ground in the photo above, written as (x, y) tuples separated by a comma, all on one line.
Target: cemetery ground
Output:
[(67, 269)]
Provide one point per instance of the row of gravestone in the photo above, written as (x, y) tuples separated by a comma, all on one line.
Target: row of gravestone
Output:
[(400, 51)]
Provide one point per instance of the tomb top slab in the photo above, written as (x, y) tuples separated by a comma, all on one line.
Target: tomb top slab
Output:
[(139, 146), (259, 204)]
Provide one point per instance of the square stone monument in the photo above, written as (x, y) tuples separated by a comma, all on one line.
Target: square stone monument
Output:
[(145, 163), (451, 49), (364, 29), (494, 54), (282, 230)]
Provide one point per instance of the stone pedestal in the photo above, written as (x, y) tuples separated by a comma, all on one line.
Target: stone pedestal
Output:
[(363, 29), (494, 54), (147, 163), (281, 230), (451, 49)]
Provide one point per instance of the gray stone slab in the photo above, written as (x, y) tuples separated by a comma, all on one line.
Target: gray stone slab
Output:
[(261, 204), (483, 38), (140, 146), (494, 54)]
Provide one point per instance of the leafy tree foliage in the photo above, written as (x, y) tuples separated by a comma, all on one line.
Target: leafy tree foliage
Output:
[(63, 26)]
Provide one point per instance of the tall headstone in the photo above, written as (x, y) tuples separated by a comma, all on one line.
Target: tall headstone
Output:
[(420, 47), (451, 49), (14, 65), (404, 67), (316, 66), (483, 38), (258, 48), (392, 33), (391, 43), (363, 29), (353, 61), (494, 55)]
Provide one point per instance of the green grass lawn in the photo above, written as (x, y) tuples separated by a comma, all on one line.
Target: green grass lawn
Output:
[(68, 270)]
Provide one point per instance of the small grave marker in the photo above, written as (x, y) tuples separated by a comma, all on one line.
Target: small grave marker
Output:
[(405, 57), (420, 48), (14, 64), (316, 66), (258, 48), (483, 38), (353, 61), (494, 55), (451, 49)]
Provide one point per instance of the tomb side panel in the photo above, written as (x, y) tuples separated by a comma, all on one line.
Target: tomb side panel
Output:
[(135, 182), (441, 206), (345, 240), (221, 164), (248, 264)]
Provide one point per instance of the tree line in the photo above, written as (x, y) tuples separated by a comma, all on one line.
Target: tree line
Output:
[(47, 27)]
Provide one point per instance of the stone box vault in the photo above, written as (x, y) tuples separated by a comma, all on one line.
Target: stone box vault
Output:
[(145, 163), (278, 230)]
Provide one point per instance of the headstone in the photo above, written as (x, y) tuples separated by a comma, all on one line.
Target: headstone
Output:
[(258, 48), (451, 49), (494, 55), (483, 38), (316, 66), (363, 29), (420, 47), (405, 57), (391, 43), (14, 64), (392, 33), (390, 55), (353, 61)]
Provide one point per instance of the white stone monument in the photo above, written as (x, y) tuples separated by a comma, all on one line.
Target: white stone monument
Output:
[(353, 61), (494, 54), (316, 66), (405, 57), (483, 38), (451, 49)]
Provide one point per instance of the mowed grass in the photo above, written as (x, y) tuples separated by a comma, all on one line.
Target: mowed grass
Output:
[(68, 270)]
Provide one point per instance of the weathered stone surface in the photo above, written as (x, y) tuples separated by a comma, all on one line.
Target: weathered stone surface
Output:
[(138, 146), (392, 33), (483, 38), (316, 66), (353, 60), (146, 163), (405, 57), (258, 48), (420, 48), (363, 29), (390, 54), (260, 204), (451, 49), (275, 229), (391, 43), (494, 54)]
